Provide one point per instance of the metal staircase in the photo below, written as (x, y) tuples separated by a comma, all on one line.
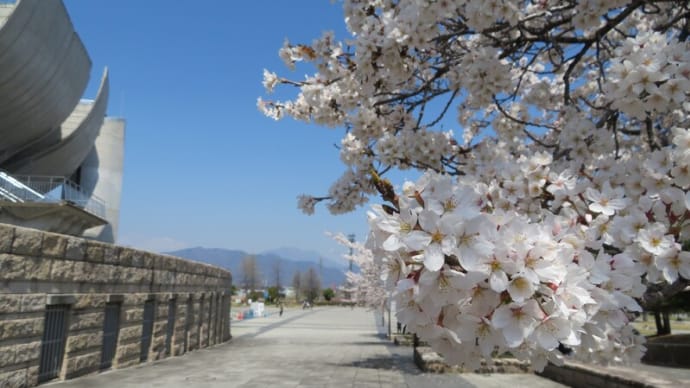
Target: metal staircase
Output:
[(13, 190), (47, 189)]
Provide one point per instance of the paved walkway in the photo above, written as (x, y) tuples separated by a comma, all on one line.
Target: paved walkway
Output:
[(323, 347)]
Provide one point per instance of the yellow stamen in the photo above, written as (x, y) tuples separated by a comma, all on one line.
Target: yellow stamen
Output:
[(437, 237)]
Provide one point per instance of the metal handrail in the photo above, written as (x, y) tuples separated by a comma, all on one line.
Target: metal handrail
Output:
[(38, 188), (15, 191)]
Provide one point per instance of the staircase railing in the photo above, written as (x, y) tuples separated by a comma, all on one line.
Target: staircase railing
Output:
[(15, 191), (37, 188)]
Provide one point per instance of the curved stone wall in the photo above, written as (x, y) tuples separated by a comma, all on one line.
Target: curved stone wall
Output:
[(182, 305), (44, 69)]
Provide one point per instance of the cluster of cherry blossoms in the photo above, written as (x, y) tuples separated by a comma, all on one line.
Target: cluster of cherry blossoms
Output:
[(649, 74), (560, 208), (366, 286), (475, 280)]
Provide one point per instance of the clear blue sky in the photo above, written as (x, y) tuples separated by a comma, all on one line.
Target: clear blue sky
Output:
[(203, 167)]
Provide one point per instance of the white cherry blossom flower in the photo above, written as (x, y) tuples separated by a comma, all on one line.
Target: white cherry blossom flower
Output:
[(520, 289), (479, 330), (607, 201), (436, 239), (654, 240), (517, 321), (554, 330), (270, 81), (673, 265), (306, 204)]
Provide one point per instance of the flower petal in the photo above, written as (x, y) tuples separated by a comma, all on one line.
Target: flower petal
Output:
[(433, 257)]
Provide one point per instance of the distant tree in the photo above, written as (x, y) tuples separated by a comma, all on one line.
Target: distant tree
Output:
[(328, 294), (273, 294), (677, 303), (255, 295), (311, 284), (277, 272), (297, 284), (250, 274)]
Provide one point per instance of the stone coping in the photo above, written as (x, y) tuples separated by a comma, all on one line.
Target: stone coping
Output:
[(22, 241), (429, 361)]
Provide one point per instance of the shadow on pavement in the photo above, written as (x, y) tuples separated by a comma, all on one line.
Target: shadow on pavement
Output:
[(387, 362), (367, 343)]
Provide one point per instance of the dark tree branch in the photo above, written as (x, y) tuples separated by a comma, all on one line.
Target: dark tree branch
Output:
[(657, 294), (597, 36), (649, 129)]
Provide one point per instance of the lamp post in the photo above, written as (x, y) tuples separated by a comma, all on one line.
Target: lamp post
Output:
[(351, 237), (389, 315)]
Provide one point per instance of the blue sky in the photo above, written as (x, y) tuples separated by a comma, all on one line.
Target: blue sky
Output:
[(203, 167)]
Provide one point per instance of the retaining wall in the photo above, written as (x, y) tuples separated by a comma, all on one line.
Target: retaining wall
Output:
[(41, 273), (579, 375), (667, 354)]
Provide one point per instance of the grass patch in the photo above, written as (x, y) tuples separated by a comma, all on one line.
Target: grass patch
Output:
[(670, 339), (648, 328)]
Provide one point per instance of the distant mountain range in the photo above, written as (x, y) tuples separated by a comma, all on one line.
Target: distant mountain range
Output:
[(296, 254), (291, 260)]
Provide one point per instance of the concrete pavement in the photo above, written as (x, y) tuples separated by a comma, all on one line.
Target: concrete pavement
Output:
[(323, 347)]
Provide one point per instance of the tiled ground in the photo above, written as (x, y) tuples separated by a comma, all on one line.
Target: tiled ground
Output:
[(323, 347)]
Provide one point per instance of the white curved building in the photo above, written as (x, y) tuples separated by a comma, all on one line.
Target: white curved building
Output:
[(60, 156)]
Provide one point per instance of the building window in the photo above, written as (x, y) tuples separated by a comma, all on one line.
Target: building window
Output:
[(189, 318), (147, 329), (172, 311), (111, 330), (201, 322), (53, 344)]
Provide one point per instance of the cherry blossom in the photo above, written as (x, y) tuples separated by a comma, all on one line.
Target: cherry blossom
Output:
[(517, 321), (552, 140)]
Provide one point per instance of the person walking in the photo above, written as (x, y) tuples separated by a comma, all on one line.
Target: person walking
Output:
[(280, 314)]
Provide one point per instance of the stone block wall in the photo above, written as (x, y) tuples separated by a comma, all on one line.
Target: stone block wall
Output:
[(667, 353), (39, 270)]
